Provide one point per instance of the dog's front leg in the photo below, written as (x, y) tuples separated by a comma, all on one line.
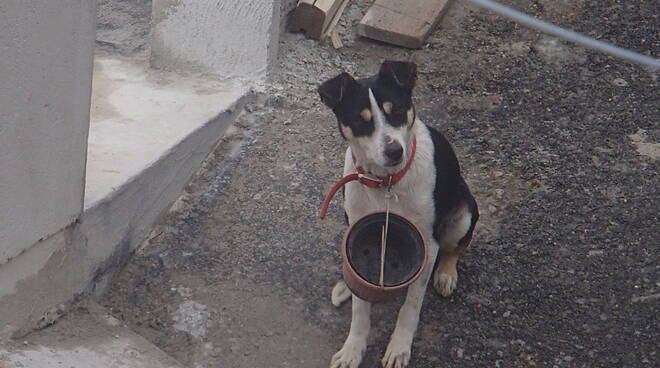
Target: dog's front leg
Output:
[(350, 354), (397, 354)]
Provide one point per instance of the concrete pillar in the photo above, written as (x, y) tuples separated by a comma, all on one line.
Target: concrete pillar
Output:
[(229, 38), (46, 58), (46, 50)]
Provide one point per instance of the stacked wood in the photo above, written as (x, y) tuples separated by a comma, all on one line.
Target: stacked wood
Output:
[(318, 18), (406, 23)]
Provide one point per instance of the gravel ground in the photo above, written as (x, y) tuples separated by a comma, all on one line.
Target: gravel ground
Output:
[(559, 144)]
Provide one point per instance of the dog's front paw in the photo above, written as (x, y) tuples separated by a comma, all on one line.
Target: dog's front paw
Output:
[(397, 354), (445, 283), (349, 356)]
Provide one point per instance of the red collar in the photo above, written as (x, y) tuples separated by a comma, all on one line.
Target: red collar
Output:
[(370, 181)]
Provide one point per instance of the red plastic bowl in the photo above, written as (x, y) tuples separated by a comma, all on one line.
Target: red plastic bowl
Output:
[(405, 257)]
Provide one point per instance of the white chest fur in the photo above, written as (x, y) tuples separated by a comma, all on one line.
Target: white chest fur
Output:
[(413, 194)]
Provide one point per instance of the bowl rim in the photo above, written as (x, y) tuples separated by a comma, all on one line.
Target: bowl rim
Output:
[(356, 276)]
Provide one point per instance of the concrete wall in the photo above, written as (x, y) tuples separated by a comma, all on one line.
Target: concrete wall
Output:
[(230, 38), (45, 82)]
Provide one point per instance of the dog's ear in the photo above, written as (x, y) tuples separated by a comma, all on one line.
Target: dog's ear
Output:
[(402, 73), (333, 91)]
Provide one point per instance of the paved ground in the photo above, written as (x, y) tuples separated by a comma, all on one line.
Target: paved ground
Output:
[(558, 143), (87, 336)]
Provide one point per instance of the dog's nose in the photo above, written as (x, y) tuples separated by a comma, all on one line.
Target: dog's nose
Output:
[(393, 151)]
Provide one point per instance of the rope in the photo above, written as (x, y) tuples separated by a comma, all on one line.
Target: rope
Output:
[(566, 34)]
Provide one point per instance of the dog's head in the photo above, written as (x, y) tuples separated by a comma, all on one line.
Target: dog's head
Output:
[(375, 114)]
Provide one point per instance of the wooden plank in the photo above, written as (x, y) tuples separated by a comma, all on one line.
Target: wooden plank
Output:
[(314, 16), (406, 23), (335, 40), (331, 27)]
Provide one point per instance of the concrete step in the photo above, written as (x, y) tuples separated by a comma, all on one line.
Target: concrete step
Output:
[(87, 337), (139, 115), (150, 131)]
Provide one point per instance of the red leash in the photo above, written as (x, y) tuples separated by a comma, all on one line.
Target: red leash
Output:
[(362, 177)]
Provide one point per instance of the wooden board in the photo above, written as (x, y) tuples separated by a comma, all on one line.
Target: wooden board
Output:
[(335, 40), (406, 23), (329, 7), (331, 31), (315, 16)]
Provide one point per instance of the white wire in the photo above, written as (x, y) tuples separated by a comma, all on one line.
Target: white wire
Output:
[(566, 34), (383, 244)]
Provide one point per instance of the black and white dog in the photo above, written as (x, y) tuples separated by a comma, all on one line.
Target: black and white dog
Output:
[(377, 118)]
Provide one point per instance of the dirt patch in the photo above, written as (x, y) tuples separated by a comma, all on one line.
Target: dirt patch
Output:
[(645, 148)]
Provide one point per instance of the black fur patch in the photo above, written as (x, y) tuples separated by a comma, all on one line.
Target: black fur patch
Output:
[(347, 97), (451, 191)]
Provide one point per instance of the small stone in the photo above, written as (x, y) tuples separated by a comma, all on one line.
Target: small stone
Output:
[(478, 299), (460, 353), (497, 174), (492, 208), (595, 253), (528, 359), (496, 343), (192, 317), (596, 161), (620, 82), (603, 150), (506, 314), (535, 183), (499, 193)]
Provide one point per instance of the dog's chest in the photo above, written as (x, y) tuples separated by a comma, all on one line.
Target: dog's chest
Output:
[(417, 206), (412, 196)]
